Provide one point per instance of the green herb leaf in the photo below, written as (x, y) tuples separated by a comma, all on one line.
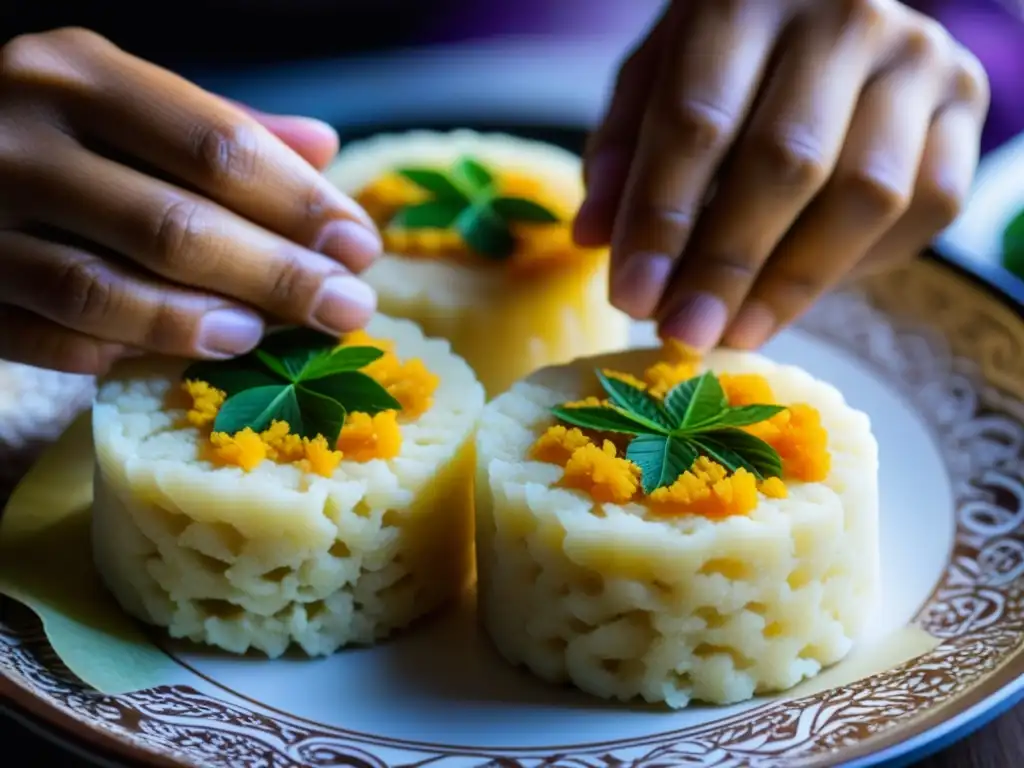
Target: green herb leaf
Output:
[(604, 419), (485, 233), (339, 360), (522, 209), (1013, 245), (636, 402), (433, 214), (435, 182), (297, 363), (256, 408), (232, 376), (274, 365), (742, 416), (733, 448), (661, 459), (320, 415), (696, 401), (472, 175), (355, 390)]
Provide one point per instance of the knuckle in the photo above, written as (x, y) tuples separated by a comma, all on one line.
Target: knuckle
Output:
[(79, 38), (23, 56), (663, 223), (864, 14), (792, 158), (166, 327), (793, 287), (226, 152), (927, 43), (86, 292), (701, 125), (942, 205), (970, 79), (879, 195), (177, 236), (31, 58), (315, 203), (291, 284), (734, 266)]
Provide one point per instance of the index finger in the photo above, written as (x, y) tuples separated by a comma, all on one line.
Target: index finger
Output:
[(703, 93), (196, 138)]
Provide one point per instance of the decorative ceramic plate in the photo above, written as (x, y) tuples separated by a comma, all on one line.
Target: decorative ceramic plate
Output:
[(933, 355), (938, 363)]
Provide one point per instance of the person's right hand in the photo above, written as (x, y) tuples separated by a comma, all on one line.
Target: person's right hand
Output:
[(139, 213)]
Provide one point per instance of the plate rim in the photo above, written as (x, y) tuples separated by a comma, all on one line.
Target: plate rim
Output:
[(934, 732)]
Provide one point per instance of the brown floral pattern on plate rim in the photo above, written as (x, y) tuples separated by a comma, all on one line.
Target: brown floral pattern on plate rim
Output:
[(963, 366)]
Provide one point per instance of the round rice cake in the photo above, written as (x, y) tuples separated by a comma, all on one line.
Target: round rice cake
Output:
[(624, 600), (277, 554), (546, 302)]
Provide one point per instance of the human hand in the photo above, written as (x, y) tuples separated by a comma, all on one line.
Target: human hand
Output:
[(756, 153), (141, 213)]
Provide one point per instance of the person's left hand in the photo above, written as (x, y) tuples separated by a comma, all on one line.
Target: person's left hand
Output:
[(758, 152)]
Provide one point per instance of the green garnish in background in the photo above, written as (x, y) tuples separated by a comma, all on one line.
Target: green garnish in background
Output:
[(465, 198), (295, 375), (1013, 245), (693, 420)]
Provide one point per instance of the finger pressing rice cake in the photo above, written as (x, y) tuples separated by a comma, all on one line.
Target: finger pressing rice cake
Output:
[(652, 525), (479, 250), (309, 493)]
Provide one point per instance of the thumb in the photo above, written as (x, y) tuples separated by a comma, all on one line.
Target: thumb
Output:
[(315, 141)]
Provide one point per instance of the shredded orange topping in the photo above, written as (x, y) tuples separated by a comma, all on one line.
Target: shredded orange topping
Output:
[(592, 463), (537, 244), (409, 381), (795, 433), (599, 472), (206, 401), (707, 489), (282, 445), (365, 437), (319, 458), (245, 449), (362, 438), (557, 444), (248, 449)]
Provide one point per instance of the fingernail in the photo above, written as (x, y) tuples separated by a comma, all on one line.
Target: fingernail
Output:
[(350, 243), (308, 123), (699, 321), (638, 282), (345, 303), (754, 325), (229, 332)]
